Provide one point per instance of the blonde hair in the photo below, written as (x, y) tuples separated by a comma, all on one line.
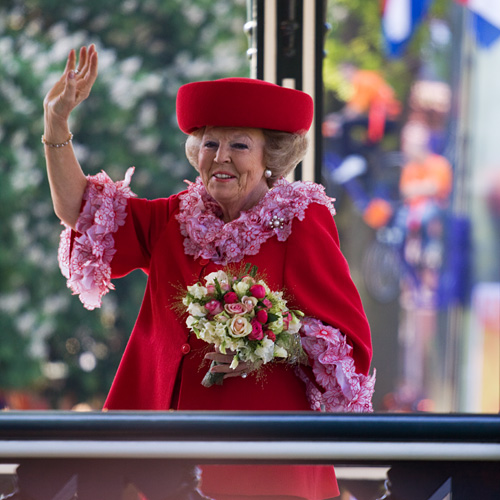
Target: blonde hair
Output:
[(283, 151)]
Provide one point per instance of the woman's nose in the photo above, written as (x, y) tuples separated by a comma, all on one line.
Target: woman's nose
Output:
[(222, 155)]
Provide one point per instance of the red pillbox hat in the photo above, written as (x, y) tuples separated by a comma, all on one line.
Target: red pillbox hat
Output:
[(243, 102)]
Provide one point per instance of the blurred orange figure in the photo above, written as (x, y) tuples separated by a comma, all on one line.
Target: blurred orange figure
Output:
[(426, 176), (371, 96)]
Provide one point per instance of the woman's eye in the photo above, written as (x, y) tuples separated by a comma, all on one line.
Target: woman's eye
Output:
[(240, 145), (210, 144)]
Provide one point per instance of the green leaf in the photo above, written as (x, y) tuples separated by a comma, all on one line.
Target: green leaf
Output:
[(271, 317), (218, 289)]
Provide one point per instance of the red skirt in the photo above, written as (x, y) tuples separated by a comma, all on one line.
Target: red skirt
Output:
[(274, 388)]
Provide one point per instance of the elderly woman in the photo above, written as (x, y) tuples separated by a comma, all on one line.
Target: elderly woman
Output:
[(244, 136)]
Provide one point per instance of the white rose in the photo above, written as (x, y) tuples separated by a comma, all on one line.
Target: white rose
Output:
[(221, 277), (240, 327), (197, 310), (241, 288), (197, 291)]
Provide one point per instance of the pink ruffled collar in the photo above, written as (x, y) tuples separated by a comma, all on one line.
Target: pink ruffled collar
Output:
[(208, 237)]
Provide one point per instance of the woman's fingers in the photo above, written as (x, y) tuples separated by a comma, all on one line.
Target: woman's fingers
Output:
[(74, 86), (85, 60), (234, 373), (82, 58), (86, 76), (226, 369), (219, 357), (224, 361), (58, 88), (70, 62), (91, 73)]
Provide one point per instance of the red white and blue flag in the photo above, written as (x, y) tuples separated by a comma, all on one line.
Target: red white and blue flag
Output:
[(485, 19), (399, 20)]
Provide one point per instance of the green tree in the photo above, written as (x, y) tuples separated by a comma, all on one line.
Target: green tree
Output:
[(147, 49)]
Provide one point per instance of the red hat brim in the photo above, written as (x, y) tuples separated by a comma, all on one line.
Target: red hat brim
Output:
[(243, 102)]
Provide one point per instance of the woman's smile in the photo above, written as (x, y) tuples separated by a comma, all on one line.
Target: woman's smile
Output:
[(223, 176)]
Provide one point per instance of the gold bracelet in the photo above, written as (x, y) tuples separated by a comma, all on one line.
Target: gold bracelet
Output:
[(61, 145)]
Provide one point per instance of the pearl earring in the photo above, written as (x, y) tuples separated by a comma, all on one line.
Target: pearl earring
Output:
[(267, 173)]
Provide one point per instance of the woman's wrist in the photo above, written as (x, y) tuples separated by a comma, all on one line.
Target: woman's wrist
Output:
[(56, 132), (57, 144)]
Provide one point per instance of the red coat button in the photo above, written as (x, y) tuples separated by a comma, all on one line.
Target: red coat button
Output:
[(203, 262), (185, 348)]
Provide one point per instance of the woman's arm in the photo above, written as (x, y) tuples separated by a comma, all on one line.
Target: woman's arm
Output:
[(66, 178)]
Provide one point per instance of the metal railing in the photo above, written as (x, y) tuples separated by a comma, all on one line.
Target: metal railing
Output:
[(89, 445)]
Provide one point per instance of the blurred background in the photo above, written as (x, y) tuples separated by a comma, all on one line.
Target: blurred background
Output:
[(409, 147)]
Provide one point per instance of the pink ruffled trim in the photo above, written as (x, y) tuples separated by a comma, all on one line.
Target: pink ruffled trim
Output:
[(208, 237), (344, 390), (87, 265)]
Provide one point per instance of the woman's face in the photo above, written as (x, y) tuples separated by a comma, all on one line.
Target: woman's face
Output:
[(231, 165)]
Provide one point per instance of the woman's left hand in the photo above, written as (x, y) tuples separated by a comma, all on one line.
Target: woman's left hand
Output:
[(223, 365)]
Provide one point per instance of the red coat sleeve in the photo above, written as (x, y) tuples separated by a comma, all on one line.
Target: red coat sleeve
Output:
[(135, 240), (317, 276)]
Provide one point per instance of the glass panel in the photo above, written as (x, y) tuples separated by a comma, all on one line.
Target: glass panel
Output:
[(412, 157)]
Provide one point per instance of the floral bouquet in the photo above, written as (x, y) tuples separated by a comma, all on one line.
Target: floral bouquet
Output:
[(242, 315)]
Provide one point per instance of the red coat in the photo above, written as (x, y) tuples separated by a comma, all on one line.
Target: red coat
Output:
[(303, 259)]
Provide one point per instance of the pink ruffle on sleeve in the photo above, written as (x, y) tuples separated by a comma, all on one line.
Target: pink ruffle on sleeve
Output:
[(337, 386), (85, 260)]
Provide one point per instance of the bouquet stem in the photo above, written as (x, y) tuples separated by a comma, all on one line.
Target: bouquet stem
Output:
[(212, 378)]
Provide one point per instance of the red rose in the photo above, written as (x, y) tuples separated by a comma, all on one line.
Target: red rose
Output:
[(270, 335), (257, 333), (261, 316), (213, 307), (230, 298), (258, 291)]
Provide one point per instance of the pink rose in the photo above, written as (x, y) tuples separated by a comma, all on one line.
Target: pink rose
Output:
[(213, 307), (270, 335), (210, 289), (257, 333), (230, 298), (258, 291), (240, 327), (261, 316), (267, 303), (236, 308), (249, 302)]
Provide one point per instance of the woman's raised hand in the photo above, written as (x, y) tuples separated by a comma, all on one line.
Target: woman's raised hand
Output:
[(73, 87), (66, 178)]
